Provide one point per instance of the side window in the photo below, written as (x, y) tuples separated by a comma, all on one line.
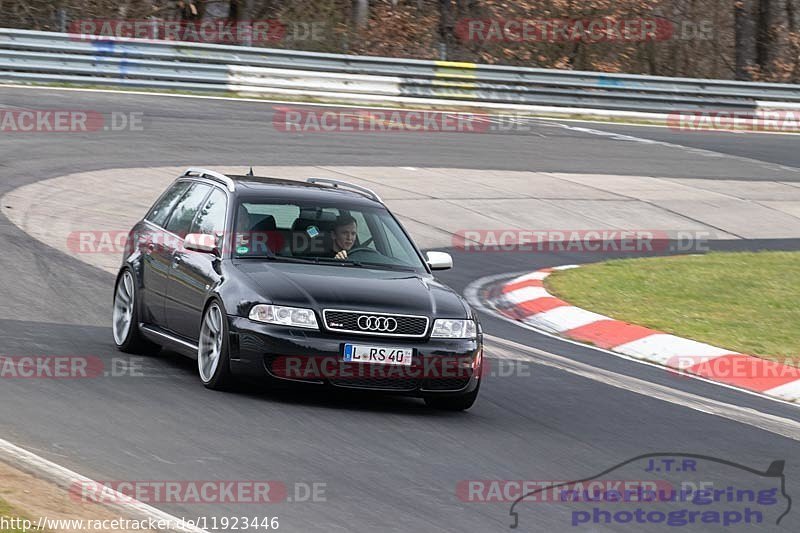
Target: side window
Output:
[(211, 217), (399, 247), (186, 209), (364, 234), (160, 211), (394, 244)]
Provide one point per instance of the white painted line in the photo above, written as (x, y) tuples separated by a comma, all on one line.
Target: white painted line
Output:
[(662, 126), (67, 479), (785, 427), (564, 318), (617, 136), (698, 151), (662, 347)]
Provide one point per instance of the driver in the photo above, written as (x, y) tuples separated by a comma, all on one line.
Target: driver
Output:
[(343, 236)]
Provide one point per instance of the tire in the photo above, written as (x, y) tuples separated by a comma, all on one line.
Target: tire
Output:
[(453, 402), (213, 349), (125, 317)]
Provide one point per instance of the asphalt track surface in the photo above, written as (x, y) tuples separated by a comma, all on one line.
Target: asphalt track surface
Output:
[(388, 463)]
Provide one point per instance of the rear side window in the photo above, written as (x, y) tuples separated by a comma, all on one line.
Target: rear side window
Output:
[(211, 217), (160, 211), (186, 209)]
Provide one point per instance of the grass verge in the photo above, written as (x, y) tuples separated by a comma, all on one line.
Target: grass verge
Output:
[(8, 512), (744, 302)]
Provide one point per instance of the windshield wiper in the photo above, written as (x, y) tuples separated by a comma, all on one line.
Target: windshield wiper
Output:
[(388, 266), (368, 264), (329, 261), (343, 262)]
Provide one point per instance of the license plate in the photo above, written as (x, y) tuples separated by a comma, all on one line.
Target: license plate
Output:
[(381, 355)]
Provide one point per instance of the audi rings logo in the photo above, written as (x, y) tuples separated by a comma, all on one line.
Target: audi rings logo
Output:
[(384, 324)]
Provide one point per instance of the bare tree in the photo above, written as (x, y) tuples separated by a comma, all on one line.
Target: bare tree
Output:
[(766, 49), (745, 14), (360, 13), (446, 25), (793, 24)]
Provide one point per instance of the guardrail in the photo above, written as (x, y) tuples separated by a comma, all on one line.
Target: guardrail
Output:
[(33, 56)]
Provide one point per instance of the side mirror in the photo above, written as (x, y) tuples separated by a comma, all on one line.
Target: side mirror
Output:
[(201, 242), (439, 260)]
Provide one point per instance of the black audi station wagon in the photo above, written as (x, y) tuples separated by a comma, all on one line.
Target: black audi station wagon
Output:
[(313, 282)]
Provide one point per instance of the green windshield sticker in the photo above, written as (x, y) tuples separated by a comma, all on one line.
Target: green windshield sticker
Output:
[(242, 249)]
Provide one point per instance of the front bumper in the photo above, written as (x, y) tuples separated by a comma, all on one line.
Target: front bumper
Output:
[(316, 357)]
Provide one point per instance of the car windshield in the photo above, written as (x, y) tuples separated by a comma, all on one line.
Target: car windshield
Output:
[(332, 234)]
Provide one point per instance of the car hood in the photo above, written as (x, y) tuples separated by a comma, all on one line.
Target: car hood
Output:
[(345, 287)]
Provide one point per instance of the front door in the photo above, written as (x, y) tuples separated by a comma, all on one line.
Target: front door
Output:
[(193, 274)]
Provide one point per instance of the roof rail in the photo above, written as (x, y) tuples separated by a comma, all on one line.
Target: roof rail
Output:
[(345, 185), (210, 174)]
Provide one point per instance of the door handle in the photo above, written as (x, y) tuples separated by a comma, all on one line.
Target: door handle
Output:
[(176, 261)]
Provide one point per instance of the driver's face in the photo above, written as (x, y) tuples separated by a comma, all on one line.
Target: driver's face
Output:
[(345, 236)]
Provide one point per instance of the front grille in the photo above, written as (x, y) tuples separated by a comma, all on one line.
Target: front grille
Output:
[(382, 324)]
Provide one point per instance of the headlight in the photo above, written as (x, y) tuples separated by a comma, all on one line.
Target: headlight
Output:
[(454, 329), (285, 316)]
